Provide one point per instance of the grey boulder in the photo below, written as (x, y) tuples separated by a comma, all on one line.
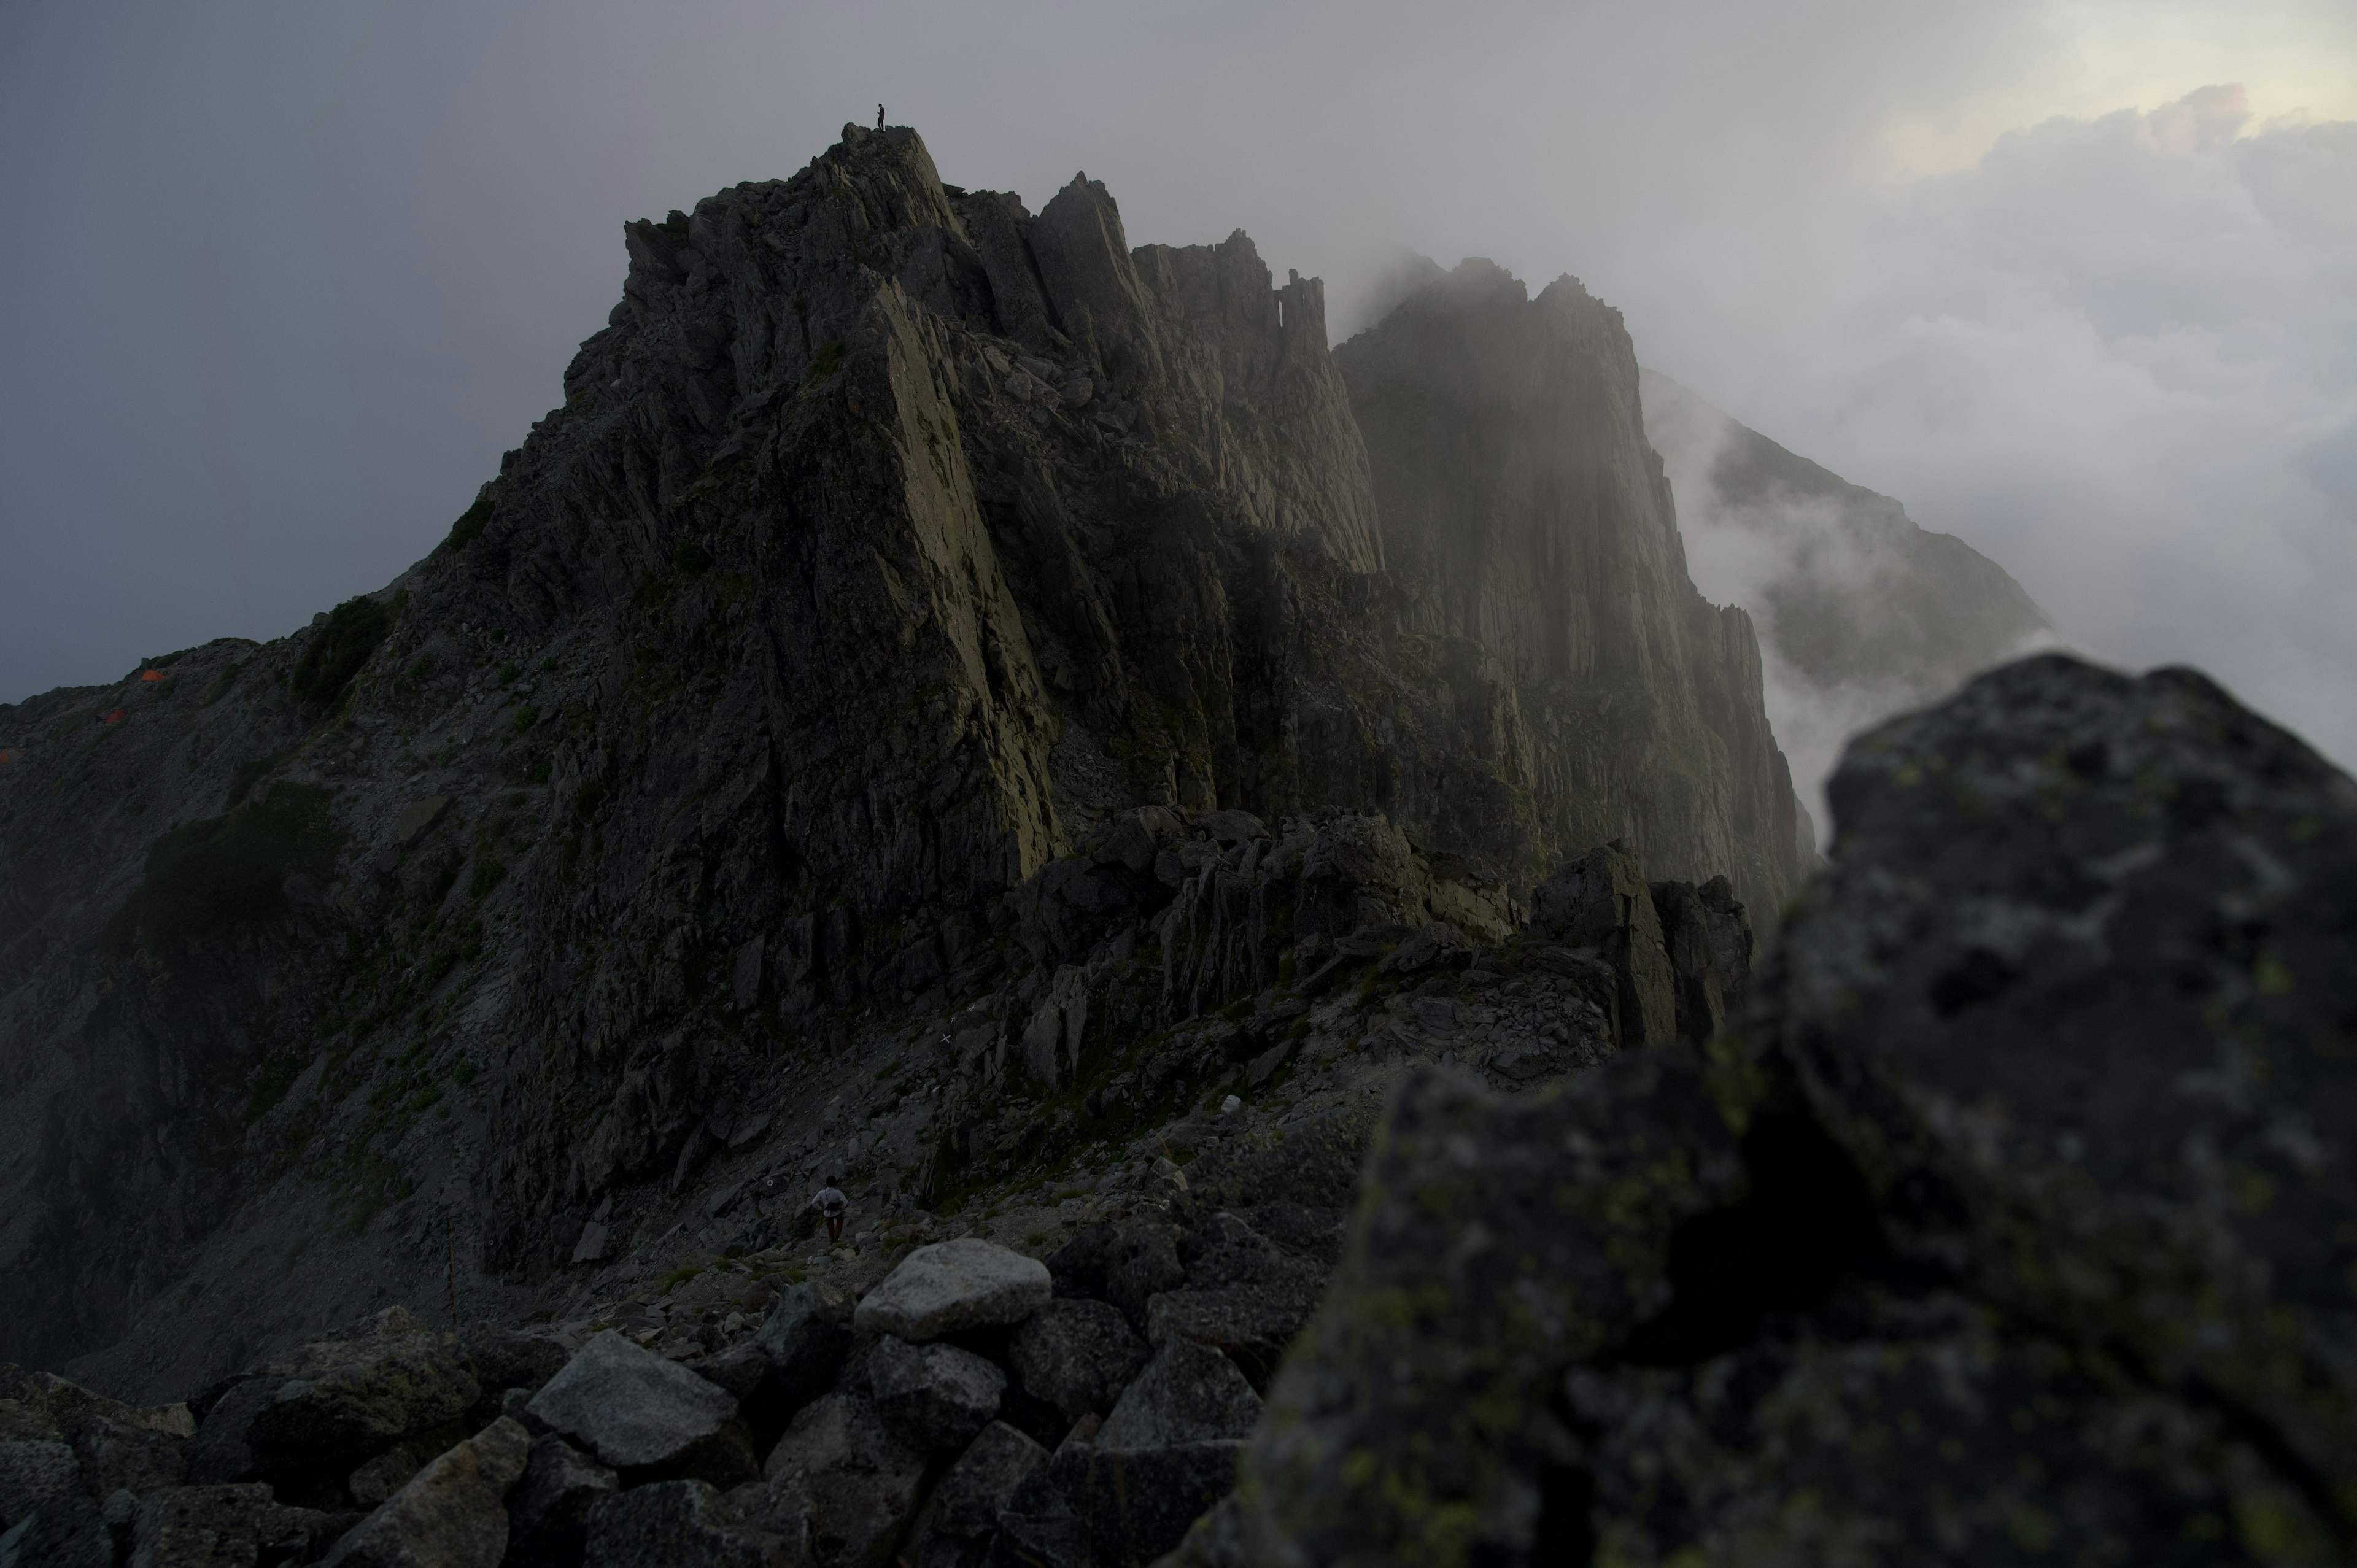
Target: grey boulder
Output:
[(346, 1401), (860, 1477), (1188, 1394), (225, 1527), (950, 1286), (67, 1531), (452, 1514), (970, 1497), (938, 1395), (806, 1339), (1243, 1295), (548, 1513), (679, 1524), (31, 1473), (637, 1411), (1077, 1354)]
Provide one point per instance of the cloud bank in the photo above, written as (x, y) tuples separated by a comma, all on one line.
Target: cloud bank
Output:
[(2119, 355)]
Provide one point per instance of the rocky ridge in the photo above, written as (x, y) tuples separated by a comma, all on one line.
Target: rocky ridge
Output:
[(2006, 1215)]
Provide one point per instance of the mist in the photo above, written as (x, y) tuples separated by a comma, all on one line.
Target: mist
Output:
[(2068, 282)]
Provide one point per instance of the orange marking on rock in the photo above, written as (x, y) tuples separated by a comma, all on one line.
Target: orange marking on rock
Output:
[(114, 718)]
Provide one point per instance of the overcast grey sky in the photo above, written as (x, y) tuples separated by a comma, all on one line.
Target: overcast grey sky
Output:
[(2074, 281)]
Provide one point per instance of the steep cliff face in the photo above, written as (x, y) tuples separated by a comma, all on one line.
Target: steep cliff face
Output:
[(1524, 511), (890, 541)]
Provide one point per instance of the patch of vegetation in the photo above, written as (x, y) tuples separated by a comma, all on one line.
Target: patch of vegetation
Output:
[(489, 874), (469, 526), (526, 716), (221, 683), (690, 559), (338, 650), (271, 1080), (826, 361), (205, 876)]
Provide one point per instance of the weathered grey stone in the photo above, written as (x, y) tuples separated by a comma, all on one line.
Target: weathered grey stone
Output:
[(504, 1359), (115, 1445), (221, 1453), (938, 1394), (345, 1401), (1244, 1295), (805, 1338), (451, 1514), (969, 1499), (33, 1472), (591, 1246), (1602, 901), (226, 1527), (860, 1478), (952, 1285), (1078, 1355), (1187, 1394), (548, 1512), (67, 1531), (678, 1524), (1138, 1503), (637, 1411), (376, 1481), (739, 1368), (778, 1508)]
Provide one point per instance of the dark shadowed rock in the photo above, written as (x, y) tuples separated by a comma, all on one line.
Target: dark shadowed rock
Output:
[(637, 1411), (950, 1286), (2017, 1223), (1078, 1355), (860, 1478), (1244, 1295), (1188, 1394), (67, 1531), (116, 1446), (1601, 901), (939, 1395), (342, 1401), (548, 1512), (31, 1473), (679, 1524), (452, 1514), (221, 1452), (805, 1338), (226, 1527), (504, 1358), (1136, 1503), (741, 1369), (968, 1500)]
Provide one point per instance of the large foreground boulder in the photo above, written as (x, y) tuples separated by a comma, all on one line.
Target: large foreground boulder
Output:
[(2017, 1223), (452, 1514), (952, 1285), (644, 1416)]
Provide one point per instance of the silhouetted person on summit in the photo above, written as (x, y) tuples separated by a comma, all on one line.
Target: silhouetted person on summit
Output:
[(880, 116)]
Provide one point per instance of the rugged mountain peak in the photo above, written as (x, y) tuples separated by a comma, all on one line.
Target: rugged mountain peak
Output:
[(893, 548)]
